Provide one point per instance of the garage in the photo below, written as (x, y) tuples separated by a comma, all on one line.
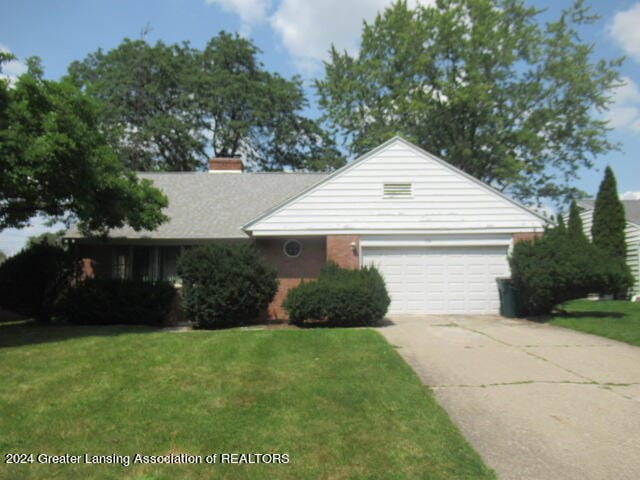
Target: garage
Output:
[(441, 280)]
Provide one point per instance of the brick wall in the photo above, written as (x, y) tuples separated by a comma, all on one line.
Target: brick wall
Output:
[(518, 237), (291, 269), (340, 251), (96, 260)]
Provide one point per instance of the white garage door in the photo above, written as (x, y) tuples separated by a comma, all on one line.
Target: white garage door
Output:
[(441, 280)]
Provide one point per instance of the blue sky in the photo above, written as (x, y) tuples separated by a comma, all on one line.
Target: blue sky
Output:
[(294, 36)]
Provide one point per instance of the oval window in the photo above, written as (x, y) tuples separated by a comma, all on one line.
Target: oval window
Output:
[(292, 248)]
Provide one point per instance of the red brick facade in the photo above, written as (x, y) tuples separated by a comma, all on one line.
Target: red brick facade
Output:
[(315, 252), (291, 270), (343, 250), (518, 237), (226, 164)]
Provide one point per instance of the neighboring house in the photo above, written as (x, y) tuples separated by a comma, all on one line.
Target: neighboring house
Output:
[(632, 234), (439, 236)]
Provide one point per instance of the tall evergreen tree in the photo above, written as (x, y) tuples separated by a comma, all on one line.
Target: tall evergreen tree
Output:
[(560, 228), (609, 222), (575, 228)]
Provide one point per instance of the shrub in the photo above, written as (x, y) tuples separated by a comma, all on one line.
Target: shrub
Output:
[(111, 301), (225, 285), (553, 269), (32, 280), (339, 297)]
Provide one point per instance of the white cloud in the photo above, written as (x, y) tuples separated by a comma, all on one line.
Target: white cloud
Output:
[(625, 29), (308, 28), (12, 69), (251, 12), (630, 196), (624, 113)]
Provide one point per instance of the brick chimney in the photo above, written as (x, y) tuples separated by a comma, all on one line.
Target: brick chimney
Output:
[(225, 165)]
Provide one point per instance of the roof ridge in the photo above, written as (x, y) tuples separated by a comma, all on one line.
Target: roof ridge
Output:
[(242, 174)]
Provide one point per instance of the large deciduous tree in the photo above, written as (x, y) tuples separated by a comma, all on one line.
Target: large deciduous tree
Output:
[(481, 83), (147, 107), (167, 107), (55, 162)]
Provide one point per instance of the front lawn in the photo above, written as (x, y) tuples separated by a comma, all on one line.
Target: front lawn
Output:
[(618, 320), (341, 403)]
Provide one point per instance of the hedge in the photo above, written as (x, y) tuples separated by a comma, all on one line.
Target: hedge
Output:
[(553, 269), (113, 301), (339, 297), (32, 281), (225, 285)]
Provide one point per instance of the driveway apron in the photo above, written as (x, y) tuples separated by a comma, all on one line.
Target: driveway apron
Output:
[(536, 401)]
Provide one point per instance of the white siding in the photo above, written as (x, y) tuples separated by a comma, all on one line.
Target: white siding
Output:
[(632, 237), (442, 200)]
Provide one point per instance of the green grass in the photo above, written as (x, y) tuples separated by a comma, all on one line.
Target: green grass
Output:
[(340, 402), (614, 319)]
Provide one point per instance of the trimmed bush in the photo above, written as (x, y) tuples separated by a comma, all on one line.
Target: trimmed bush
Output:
[(554, 269), (225, 285), (339, 297), (111, 301), (33, 280)]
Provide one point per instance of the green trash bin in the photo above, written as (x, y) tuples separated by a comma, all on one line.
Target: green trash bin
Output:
[(509, 298)]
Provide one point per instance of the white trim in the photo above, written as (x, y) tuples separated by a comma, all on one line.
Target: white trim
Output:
[(247, 226), (391, 231), (435, 243)]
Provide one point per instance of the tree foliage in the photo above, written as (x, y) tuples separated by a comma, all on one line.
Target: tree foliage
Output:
[(607, 229), (339, 298), (553, 269), (481, 83), (52, 238), (147, 107), (166, 107), (225, 285), (54, 161), (32, 280), (106, 301), (575, 229)]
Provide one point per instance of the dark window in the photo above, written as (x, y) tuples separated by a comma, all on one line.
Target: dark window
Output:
[(292, 248), (168, 261), (143, 263), (120, 265)]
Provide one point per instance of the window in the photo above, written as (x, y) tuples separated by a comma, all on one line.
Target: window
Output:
[(120, 263), (292, 248), (397, 190), (168, 261), (143, 263)]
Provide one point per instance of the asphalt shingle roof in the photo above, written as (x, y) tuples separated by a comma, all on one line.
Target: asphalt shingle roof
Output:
[(631, 208), (215, 205)]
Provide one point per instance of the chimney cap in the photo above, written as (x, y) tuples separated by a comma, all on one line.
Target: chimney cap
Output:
[(226, 165)]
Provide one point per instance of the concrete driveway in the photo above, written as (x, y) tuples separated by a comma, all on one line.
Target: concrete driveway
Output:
[(536, 401)]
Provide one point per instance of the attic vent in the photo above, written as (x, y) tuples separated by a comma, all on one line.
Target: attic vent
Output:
[(397, 190)]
